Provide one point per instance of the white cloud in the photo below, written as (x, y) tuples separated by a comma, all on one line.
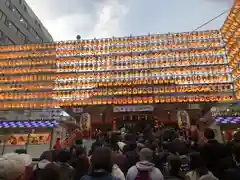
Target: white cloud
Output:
[(105, 18), (68, 27), (66, 20), (109, 21)]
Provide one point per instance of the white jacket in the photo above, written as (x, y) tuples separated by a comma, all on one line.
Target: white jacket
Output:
[(116, 172)]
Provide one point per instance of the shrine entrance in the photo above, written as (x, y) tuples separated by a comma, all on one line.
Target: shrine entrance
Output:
[(135, 122)]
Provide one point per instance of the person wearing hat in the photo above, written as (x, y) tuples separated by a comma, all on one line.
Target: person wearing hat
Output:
[(12, 166)]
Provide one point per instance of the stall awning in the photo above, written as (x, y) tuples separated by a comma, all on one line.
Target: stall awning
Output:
[(28, 124)]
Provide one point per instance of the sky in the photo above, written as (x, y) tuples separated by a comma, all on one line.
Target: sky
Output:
[(65, 19)]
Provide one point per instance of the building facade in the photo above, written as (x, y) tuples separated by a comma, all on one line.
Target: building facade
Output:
[(174, 69), (19, 24)]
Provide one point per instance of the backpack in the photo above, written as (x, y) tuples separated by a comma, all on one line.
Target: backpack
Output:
[(142, 175)]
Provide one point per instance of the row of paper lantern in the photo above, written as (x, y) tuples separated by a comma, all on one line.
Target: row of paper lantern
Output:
[(120, 100), (232, 22), (210, 55), (146, 71), (231, 34), (199, 50), (154, 62), (127, 64), (188, 52), (236, 72), (237, 93), (153, 45), (176, 58), (194, 42), (233, 62), (128, 75), (237, 83), (167, 80), (28, 55), (113, 91), (145, 90), (68, 53), (28, 86), (109, 78), (188, 35), (27, 70), (234, 51), (163, 68), (167, 88), (78, 86)]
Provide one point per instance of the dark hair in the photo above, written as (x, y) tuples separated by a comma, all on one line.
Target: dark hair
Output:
[(236, 136), (47, 155), (102, 159), (80, 151), (209, 133), (236, 151), (175, 162), (81, 166), (63, 156), (51, 171), (132, 145), (197, 164), (21, 151)]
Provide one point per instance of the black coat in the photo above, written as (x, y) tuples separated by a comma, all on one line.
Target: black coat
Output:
[(232, 174), (212, 153)]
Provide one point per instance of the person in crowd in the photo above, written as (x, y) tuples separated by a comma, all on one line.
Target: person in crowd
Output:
[(140, 146), (57, 145), (95, 145), (101, 165), (28, 166), (198, 169), (50, 172), (121, 145), (62, 158), (212, 152), (81, 163), (117, 157), (45, 159), (117, 172), (131, 155), (28, 162), (234, 173), (173, 168), (144, 169), (177, 146), (21, 151), (12, 167)]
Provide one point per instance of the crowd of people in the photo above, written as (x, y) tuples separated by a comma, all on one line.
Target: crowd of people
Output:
[(171, 155)]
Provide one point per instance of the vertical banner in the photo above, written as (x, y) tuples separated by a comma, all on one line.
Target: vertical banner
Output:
[(183, 119), (85, 124)]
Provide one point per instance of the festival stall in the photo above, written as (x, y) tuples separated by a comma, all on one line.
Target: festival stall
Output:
[(34, 136)]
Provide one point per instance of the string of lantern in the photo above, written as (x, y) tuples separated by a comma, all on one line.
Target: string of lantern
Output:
[(119, 100), (161, 39), (231, 35), (182, 62), (86, 93)]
